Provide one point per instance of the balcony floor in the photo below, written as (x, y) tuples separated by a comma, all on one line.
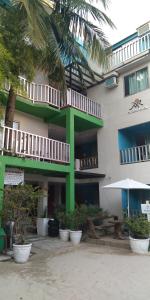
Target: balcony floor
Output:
[(83, 121), (39, 110), (37, 166), (50, 114)]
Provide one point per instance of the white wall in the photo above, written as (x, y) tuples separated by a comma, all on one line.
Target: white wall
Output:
[(40, 77), (115, 112), (31, 124)]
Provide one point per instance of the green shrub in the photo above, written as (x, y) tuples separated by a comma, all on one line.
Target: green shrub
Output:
[(139, 227), (20, 206)]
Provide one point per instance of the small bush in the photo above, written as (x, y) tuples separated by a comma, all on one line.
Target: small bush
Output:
[(139, 227)]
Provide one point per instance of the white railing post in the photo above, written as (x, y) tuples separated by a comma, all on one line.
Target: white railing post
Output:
[(69, 97)]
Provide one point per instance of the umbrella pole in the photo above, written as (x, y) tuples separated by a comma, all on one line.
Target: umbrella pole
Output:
[(128, 204)]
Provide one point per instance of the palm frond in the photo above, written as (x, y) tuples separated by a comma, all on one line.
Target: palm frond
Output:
[(36, 13)]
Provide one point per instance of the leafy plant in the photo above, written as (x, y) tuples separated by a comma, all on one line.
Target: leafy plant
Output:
[(63, 219), (77, 219), (20, 206), (138, 226), (49, 35)]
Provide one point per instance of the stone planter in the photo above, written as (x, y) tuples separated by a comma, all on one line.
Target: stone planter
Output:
[(42, 226), (75, 236), (139, 246), (21, 253), (64, 234)]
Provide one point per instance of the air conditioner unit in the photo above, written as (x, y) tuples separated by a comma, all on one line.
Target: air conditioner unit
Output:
[(143, 29), (111, 82)]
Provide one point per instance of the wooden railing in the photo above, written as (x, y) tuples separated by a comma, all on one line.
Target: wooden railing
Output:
[(26, 144), (89, 162), (129, 50), (82, 103), (135, 154), (37, 92)]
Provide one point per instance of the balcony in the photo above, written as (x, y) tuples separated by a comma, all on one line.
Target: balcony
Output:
[(45, 94), (83, 103), (35, 92), (25, 144), (130, 50), (87, 163), (135, 154)]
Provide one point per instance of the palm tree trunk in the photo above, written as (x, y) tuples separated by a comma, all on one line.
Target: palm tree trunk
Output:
[(10, 108)]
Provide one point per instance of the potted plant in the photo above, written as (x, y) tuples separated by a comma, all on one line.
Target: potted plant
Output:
[(139, 229), (63, 219), (76, 222), (20, 206)]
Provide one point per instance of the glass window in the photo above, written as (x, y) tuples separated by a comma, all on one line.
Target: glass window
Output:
[(136, 82)]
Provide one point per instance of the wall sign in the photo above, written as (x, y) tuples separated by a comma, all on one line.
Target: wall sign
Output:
[(137, 105), (14, 177), (146, 209)]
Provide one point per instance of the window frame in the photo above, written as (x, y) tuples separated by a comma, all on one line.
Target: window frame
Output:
[(135, 73)]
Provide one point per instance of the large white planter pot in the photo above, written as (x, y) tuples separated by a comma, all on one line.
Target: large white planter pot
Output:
[(42, 226), (139, 246), (75, 236), (64, 234), (21, 253)]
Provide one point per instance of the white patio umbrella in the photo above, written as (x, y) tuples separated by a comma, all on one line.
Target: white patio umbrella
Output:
[(127, 184)]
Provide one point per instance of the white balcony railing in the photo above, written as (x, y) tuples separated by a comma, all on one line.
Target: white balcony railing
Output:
[(41, 93), (26, 144), (82, 103), (129, 50), (135, 154)]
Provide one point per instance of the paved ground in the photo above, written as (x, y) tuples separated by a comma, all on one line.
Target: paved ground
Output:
[(58, 271)]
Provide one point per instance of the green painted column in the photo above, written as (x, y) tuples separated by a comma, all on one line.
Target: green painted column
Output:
[(70, 178), (2, 175)]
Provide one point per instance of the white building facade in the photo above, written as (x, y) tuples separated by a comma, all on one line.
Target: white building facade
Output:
[(124, 141)]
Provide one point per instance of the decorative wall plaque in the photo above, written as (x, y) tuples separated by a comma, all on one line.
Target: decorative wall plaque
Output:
[(137, 105)]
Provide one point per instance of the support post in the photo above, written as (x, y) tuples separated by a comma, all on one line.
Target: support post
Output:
[(2, 175), (43, 201), (2, 233), (70, 178)]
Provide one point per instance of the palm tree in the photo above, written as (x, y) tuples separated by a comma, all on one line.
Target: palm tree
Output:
[(5, 60), (60, 31), (14, 29), (73, 38)]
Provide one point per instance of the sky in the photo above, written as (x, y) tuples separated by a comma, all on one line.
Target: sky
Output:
[(127, 15)]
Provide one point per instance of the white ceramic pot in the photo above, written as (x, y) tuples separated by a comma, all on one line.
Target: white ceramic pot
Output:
[(21, 253), (64, 234), (42, 226), (139, 246), (75, 236)]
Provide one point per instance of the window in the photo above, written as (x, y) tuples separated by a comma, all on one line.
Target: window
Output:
[(136, 82)]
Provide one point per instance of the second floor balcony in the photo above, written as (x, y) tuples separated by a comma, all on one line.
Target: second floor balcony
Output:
[(45, 94), (24, 144)]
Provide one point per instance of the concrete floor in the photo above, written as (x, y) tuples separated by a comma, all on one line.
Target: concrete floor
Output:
[(59, 271)]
